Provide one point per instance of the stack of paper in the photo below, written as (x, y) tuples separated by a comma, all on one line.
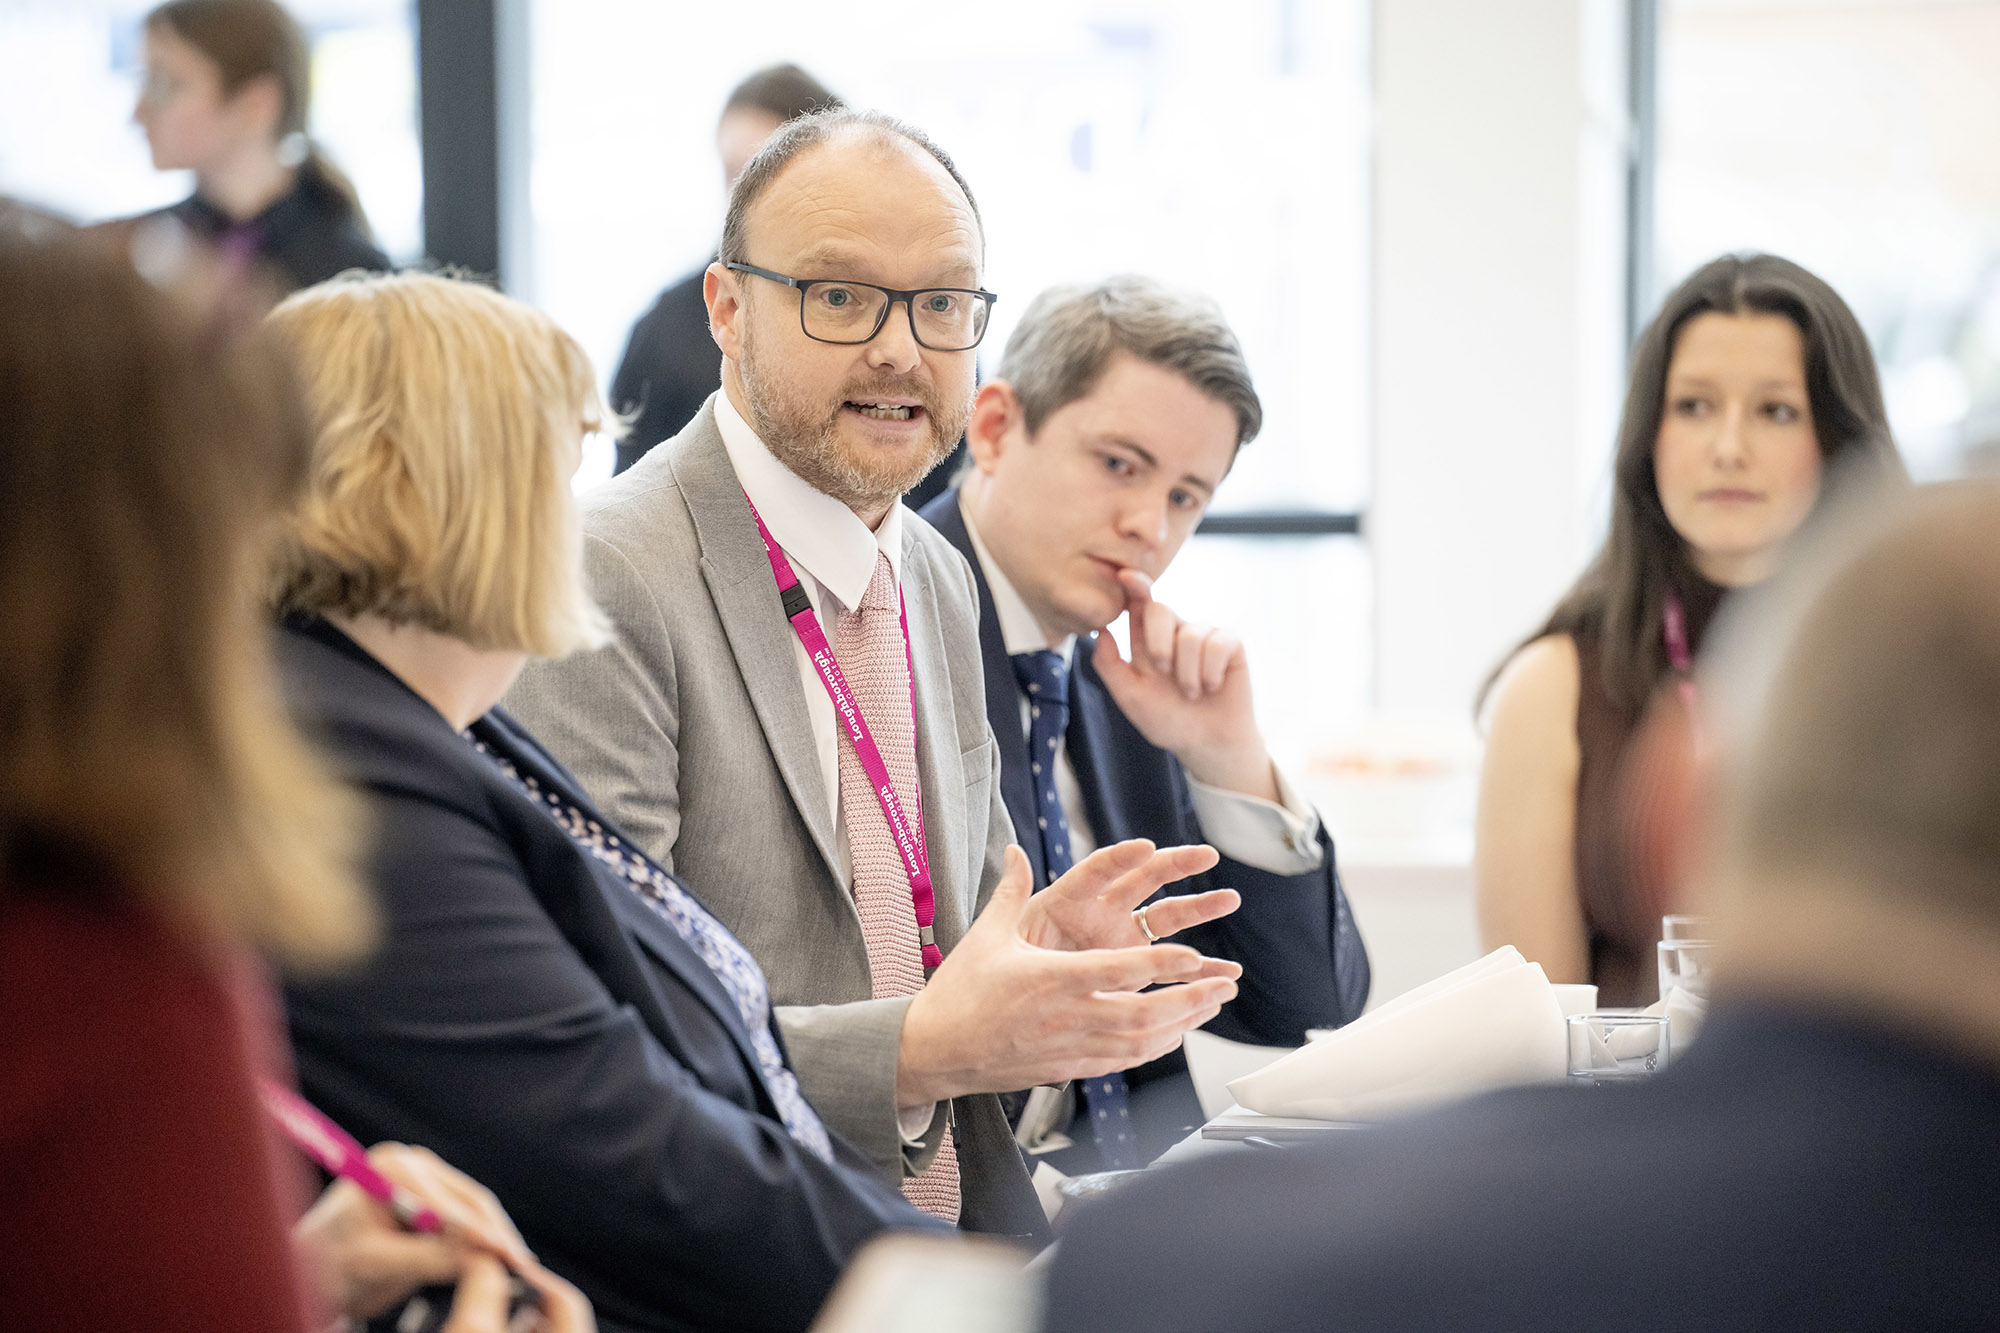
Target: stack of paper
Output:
[(1491, 1023)]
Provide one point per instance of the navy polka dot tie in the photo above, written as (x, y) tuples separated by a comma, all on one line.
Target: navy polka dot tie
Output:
[(1044, 678)]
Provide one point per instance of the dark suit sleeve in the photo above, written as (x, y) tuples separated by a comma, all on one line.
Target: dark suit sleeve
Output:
[(481, 1032), (1304, 965)]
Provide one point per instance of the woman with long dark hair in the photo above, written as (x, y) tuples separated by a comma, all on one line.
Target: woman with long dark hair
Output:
[(1750, 390), (227, 88)]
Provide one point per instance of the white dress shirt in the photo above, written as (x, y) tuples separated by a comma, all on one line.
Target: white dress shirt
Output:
[(833, 553), (1282, 839)]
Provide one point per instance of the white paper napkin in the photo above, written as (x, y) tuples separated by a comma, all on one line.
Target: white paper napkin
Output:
[(1490, 1023), (1685, 1012)]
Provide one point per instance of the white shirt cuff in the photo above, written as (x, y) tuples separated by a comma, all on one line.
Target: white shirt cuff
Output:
[(914, 1123), (1281, 839)]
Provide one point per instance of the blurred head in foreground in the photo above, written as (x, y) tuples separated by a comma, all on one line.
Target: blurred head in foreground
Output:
[(1859, 856), (1827, 1154), (145, 451)]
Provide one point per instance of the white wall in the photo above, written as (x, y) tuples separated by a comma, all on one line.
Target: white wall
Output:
[(1498, 225)]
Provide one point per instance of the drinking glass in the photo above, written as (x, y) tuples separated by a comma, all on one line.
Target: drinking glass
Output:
[(1607, 1048), (1685, 965), (1687, 927)]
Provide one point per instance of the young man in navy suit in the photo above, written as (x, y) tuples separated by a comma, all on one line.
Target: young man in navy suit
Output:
[(1117, 412)]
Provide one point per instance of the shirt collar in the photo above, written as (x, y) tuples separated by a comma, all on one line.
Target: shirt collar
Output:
[(819, 534), (1020, 632)]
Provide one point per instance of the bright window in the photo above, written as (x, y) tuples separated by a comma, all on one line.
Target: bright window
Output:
[(1856, 139), (69, 73)]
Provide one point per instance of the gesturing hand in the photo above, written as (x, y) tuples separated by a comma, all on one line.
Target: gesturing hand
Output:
[(1187, 690), (1092, 906), (1003, 1013)]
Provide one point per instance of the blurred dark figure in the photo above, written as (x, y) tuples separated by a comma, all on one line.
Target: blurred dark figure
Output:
[(671, 364), (1828, 1156), (228, 84)]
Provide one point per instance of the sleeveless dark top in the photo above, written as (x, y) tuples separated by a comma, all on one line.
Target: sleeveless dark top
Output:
[(1619, 787)]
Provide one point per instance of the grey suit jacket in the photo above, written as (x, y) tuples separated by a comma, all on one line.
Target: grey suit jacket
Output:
[(691, 732)]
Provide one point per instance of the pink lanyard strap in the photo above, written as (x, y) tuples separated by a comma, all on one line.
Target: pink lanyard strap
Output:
[(335, 1150), (908, 834), (1674, 628)]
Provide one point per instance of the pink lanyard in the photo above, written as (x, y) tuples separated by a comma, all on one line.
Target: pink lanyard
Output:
[(909, 841), (335, 1150), (1674, 626)]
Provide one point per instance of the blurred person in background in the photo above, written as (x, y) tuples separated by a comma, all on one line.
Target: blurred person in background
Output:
[(550, 1009), (160, 823), (1118, 410), (1827, 1157), (671, 362), (226, 92), (1752, 387)]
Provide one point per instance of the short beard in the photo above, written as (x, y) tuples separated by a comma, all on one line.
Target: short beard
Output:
[(808, 443)]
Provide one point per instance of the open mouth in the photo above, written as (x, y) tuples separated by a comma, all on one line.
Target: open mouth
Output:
[(875, 411)]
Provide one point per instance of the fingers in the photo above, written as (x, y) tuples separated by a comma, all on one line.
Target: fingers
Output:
[(1133, 1029), (1155, 627), (1138, 587), (1221, 967), (1105, 865), (480, 1304), (1160, 868), (1170, 916), (564, 1308), (1219, 648), (1128, 969), (467, 1207)]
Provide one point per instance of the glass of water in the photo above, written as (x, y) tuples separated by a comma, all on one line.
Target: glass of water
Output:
[(1687, 927), (1609, 1048), (1685, 965)]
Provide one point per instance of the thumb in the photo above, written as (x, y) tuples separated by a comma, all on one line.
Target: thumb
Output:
[(1112, 668), (1010, 895)]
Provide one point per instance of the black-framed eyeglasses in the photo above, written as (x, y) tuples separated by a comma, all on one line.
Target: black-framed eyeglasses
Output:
[(833, 310)]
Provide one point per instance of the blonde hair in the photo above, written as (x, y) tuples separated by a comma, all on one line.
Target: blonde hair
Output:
[(144, 754), (439, 490)]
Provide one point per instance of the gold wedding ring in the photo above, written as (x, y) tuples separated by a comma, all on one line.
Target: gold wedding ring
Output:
[(1151, 938)]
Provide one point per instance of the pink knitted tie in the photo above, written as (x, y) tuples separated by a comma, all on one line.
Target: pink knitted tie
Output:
[(869, 644)]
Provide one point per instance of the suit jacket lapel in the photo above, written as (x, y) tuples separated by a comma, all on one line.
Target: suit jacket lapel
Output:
[(652, 931), (738, 574), (940, 762), (1003, 693)]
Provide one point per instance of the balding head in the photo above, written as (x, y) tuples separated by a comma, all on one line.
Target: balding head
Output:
[(1875, 753), (800, 138)]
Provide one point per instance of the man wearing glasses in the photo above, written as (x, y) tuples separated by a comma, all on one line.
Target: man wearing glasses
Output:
[(793, 718)]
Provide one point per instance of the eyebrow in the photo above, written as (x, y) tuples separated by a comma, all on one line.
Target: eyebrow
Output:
[(1187, 478), (828, 256), (1685, 380)]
